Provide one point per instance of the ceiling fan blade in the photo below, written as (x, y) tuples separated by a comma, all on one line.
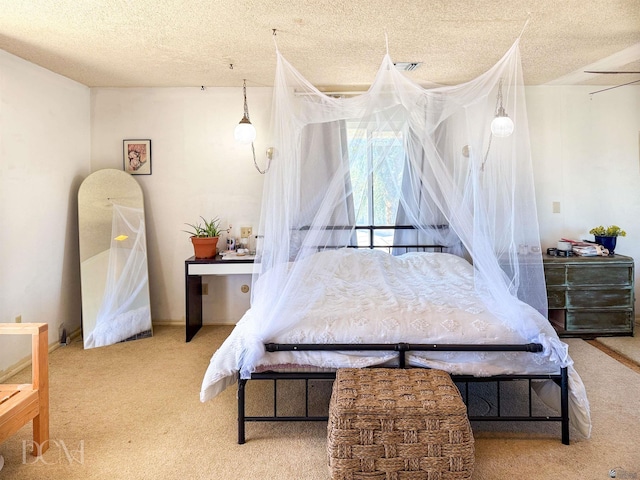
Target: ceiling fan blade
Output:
[(609, 73), (617, 86)]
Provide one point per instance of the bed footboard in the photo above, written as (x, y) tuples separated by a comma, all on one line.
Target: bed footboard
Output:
[(463, 382)]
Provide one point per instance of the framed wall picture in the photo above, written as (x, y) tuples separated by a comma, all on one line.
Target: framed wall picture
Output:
[(137, 157)]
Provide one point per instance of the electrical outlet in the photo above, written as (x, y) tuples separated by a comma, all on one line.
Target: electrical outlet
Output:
[(19, 319), (244, 288), (245, 232)]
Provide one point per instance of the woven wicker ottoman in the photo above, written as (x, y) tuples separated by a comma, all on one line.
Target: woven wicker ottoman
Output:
[(398, 424)]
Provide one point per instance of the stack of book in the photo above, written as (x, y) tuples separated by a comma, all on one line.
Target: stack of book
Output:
[(587, 249)]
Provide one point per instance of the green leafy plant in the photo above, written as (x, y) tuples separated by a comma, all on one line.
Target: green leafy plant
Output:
[(206, 228), (610, 231)]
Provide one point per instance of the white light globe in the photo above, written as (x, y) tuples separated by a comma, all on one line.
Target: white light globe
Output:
[(245, 133), (502, 126)]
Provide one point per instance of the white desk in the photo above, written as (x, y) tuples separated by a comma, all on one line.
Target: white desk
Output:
[(194, 269), (228, 267)]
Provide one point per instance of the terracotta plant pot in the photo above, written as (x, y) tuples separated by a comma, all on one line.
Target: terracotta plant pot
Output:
[(204, 247)]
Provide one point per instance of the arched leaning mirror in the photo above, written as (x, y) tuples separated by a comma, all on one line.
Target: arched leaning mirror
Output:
[(113, 259)]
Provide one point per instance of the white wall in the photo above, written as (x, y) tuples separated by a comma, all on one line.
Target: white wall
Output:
[(585, 151), (197, 169), (44, 155)]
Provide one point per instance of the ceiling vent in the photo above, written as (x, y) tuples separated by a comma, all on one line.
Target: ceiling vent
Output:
[(407, 66)]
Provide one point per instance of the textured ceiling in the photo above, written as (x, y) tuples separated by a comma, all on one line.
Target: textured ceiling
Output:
[(334, 44)]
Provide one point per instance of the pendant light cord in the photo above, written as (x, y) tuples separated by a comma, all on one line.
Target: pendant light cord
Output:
[(498, 107), (255, 163), (253, 149), (244, 94)]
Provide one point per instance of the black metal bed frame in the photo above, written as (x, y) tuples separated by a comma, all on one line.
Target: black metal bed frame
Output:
[(561, 379)]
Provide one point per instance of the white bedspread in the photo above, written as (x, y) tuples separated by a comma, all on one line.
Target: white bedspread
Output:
[(373, 297)]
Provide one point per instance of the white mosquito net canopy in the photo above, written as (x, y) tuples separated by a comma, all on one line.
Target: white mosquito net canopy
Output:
[(402, 155)]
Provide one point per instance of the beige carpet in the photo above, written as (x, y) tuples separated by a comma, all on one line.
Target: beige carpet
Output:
[(132, 411), (626, 346)]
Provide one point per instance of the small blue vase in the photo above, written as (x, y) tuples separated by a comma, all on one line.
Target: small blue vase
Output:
[(607, 242)]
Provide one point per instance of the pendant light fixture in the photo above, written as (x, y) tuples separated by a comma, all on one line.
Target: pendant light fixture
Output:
[(501, 125), (245, 132)]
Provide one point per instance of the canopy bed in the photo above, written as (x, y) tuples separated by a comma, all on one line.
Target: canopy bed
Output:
[(401, 170)]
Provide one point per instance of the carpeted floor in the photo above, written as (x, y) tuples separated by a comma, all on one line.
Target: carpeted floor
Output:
[(132, 411), (629, 347)]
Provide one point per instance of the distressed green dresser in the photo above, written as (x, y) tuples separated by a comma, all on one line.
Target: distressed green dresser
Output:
[(590, 296)]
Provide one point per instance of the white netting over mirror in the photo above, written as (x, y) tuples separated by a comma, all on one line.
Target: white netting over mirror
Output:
[(124, 309), (415, 166)]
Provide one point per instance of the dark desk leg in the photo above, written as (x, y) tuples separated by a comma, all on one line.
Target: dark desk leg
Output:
[(193, 304)]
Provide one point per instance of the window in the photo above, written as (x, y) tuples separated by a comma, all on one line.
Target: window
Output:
[(376, 161)]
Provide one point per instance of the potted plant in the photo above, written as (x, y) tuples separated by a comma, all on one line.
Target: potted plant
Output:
[(607, 236), (204, 237)]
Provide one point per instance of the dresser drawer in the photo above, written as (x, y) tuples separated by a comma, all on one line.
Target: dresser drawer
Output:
[(601, 322), (554, 275), (596, 275), (598, 298), (556, 297)]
